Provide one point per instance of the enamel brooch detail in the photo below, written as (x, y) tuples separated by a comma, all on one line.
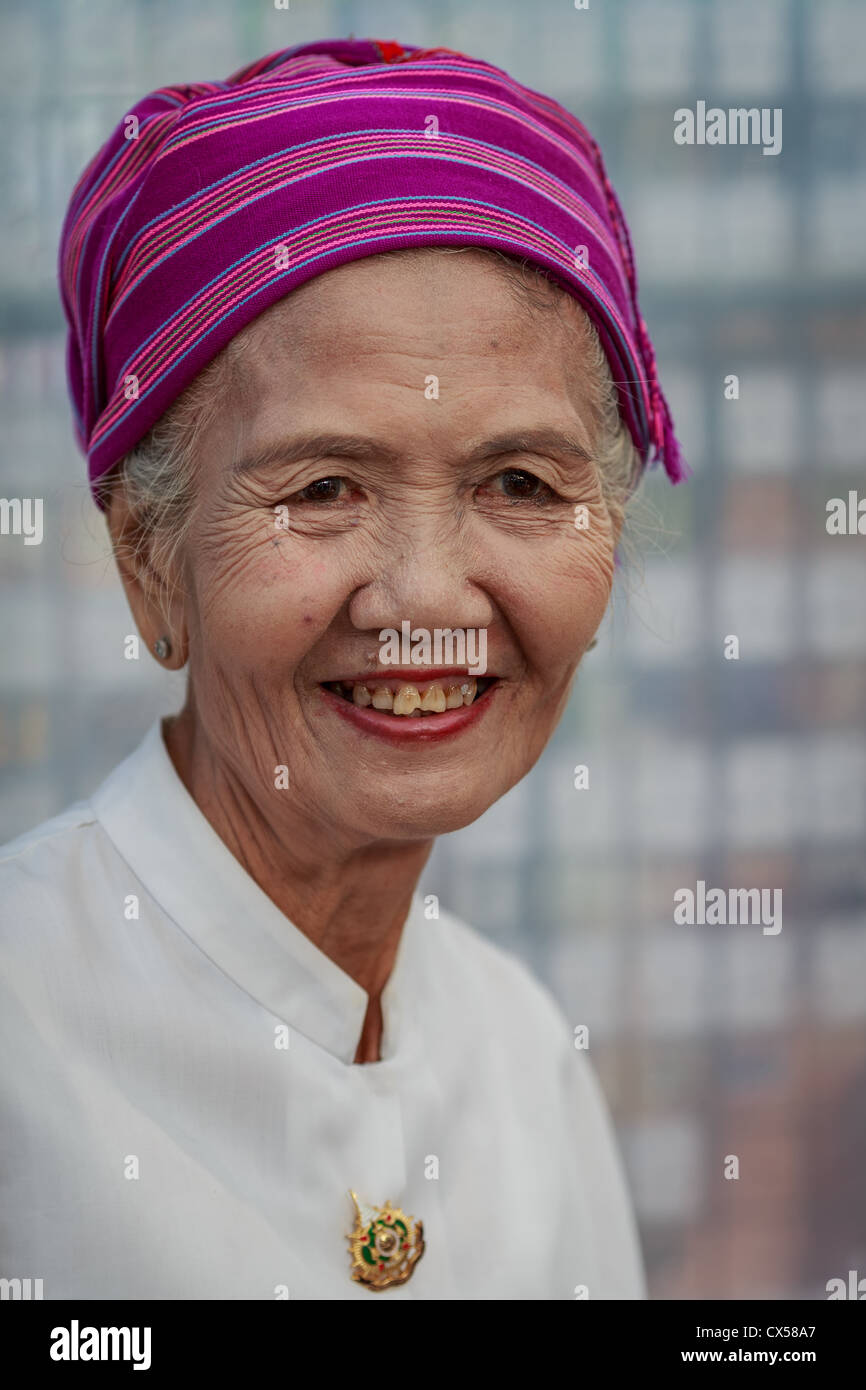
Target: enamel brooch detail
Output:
[(385, 1245)]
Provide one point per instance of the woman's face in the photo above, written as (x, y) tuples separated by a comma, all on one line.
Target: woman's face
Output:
[(437, 509)]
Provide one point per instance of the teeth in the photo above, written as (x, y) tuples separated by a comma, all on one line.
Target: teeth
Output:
[(407, 701), (433, 699)]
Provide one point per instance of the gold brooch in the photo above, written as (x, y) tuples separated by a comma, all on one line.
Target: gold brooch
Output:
[(386, 1245)]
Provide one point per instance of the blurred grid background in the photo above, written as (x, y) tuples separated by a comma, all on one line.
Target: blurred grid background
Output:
[(709, 1041)]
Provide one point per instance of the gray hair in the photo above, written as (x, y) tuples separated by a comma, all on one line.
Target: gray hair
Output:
[(159, 473)]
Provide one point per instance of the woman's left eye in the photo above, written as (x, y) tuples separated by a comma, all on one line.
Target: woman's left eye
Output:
[(322, 490), (518, 485)]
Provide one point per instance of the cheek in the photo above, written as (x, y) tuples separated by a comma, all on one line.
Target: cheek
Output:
[(592, 579), (558, 595), (261, 603)]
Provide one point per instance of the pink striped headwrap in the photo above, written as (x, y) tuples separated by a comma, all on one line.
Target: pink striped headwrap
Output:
[(215, 199)]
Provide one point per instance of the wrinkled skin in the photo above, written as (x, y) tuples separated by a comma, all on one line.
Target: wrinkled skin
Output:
[(264, 615)]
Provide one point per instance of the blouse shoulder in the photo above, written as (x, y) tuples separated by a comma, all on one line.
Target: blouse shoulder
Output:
[(546, 1065), (500, 983), (53, 835), (48, 878)]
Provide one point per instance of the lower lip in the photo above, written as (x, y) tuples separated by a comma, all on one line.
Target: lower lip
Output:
[(401, 728)]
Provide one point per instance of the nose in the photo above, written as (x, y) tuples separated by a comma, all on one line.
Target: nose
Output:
[(428, 577)]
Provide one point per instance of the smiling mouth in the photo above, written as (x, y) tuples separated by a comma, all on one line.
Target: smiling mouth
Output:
[(412, 699)]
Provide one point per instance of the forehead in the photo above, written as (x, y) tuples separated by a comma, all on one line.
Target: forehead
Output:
[(352, 352), (449, 306), (349, 356)]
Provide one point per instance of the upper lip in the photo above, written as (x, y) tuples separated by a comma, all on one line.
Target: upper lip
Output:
[(417, 673)]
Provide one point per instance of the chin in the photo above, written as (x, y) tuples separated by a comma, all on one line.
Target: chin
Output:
[(425, 818)]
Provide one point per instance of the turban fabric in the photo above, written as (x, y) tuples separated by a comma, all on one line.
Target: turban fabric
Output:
[(213, 200)]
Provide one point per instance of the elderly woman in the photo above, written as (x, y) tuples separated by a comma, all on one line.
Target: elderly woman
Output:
[(359, 368)]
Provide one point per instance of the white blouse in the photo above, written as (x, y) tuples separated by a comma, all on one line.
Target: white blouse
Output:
[(181, 1116)]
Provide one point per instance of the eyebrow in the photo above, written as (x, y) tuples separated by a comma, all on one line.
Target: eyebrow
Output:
[(359, 447)]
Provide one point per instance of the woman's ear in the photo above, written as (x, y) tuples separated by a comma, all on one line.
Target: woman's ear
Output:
[(156, 599)]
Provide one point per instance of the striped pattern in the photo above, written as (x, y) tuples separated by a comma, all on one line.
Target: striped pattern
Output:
[(212, 201)]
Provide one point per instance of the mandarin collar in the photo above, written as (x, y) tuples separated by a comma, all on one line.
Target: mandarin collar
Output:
[(174, 851)]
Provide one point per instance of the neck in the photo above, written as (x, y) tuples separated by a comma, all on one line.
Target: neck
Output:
[(351, 901)]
